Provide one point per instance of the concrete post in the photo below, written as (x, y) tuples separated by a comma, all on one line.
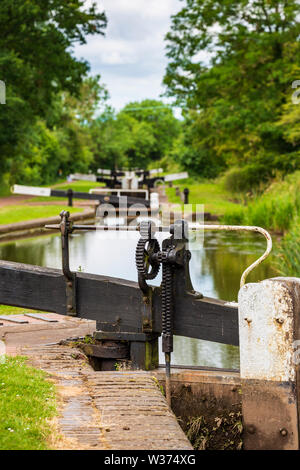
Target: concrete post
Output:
[(269, 338)]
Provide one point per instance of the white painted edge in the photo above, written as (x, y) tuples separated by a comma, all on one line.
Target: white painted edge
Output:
[(176, 176), (154, 201), (82, 177), (104, 172), (119, 192), (155, 171), (31, 190)]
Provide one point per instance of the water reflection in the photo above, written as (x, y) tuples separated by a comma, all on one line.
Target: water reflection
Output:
[(216, 268)]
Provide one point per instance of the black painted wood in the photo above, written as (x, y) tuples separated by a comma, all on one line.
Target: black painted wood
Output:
[(33, 287), (115, 303), (208, 319)]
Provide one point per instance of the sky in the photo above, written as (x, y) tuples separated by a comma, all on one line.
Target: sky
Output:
[(131, 56)]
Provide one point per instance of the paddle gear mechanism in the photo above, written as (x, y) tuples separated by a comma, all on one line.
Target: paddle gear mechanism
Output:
[(149, 256)]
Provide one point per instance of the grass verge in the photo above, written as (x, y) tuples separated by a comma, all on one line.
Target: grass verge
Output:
[(288, 249), (27, 403), (212, 195), (275, 209), (22, 213), (8, 310)]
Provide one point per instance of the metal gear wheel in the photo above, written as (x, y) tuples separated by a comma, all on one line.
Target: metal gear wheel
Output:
[(146, 267)]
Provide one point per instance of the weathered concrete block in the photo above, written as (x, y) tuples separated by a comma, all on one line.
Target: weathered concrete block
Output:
[(266, 325), (269, 330)]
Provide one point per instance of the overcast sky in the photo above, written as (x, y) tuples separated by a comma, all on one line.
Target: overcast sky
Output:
[(131, 56)]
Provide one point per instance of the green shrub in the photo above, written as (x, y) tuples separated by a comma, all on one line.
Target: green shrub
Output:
[(275, 214), (272, 213), (246, 178), (236, 217), (288, 260)]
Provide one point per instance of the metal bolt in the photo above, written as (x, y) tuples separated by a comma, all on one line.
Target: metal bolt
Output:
[(283, 432), (280, 320), (70, 306), (251, 429)]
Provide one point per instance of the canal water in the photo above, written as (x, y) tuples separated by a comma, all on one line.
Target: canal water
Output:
[(216, 267)]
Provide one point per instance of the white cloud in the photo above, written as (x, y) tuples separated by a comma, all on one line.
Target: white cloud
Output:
[(131, 57)]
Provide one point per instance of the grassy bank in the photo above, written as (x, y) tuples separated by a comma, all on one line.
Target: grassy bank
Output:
[(27, 402), (275, 209), (22, 213), (211, 194), (8, 310), (81, 186)]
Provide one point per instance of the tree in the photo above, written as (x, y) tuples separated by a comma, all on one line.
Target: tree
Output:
[(159, 116), (37, 63), (233, 63), (140, 140), (92, 100), (110, 140), (36, 41), (140, 133), (62, 143)]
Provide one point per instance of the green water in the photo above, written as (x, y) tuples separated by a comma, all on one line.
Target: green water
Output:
[(216, 268)]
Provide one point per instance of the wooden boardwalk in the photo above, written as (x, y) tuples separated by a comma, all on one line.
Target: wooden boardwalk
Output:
[(100, 410)]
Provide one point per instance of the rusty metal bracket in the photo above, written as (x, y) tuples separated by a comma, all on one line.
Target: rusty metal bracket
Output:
[(66, 227)]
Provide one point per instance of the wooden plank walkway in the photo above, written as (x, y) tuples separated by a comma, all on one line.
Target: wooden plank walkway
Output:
[(98, 410)]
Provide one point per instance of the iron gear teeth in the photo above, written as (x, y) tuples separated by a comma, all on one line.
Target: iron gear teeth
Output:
[(140, 255)]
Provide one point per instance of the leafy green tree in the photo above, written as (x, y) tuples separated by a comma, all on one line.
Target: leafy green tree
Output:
[(62, 143), (92, 100), (195, 148), (140, 140), (159, 116), (110, 140), (36, 41), (140, 133), (232, 63)]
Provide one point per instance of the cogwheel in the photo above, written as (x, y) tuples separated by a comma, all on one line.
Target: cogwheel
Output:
[(145, 266)]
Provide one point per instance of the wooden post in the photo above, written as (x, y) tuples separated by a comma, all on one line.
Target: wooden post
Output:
[(269, 338), (144, 354), (186, 193), (70, 197)]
